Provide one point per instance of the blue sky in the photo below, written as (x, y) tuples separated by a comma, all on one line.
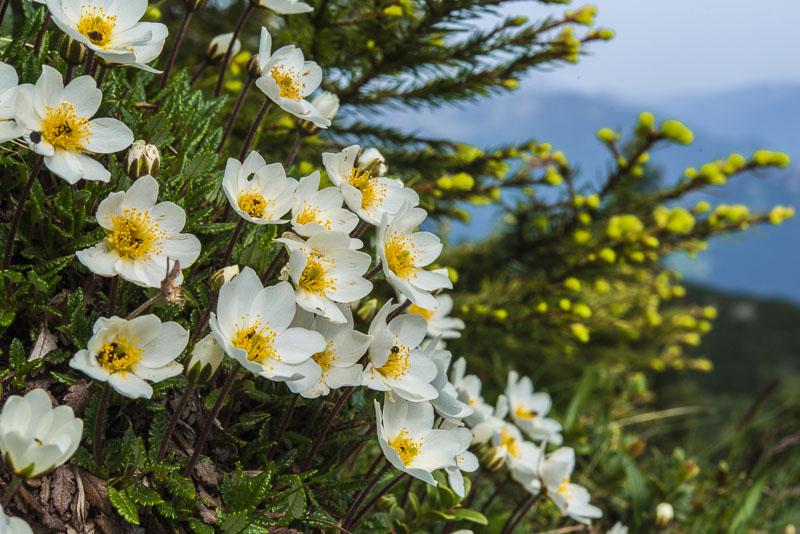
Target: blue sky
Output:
[(669, 47)]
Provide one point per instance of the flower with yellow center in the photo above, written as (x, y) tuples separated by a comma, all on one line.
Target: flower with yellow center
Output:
[(509, 441), (422, 312), (134, 235), (96, 26), (397, 363), (447, 403), (258, 341), (253, 203), (64, 129), (468, 389), (400, 255), (259, 193), (529, 410), (440, 324), (407, 449), (290, 86), (316, 210), (9, 81), (128, 354), (572, 499), (464, 461)]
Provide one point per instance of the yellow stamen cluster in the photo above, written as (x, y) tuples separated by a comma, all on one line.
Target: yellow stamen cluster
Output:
[(423, 312), (119, 355), (314, 277), (253, 203), (258, 341), (509, 441), (406, 448), (401, 255), (64, 129), (135, 235), (289, 83), (325, 358), (311, 214), (523, 412), (96, 26), (563, 488), (397, 363), (372, 191)]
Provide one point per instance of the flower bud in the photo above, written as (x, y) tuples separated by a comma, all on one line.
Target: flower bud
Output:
[(71, 50), (328, 106), (206, 358), (223, 276), (218, 47), (372, 160), (664, 514), (677, 131), (254, 68), (143, 159), (492, 458), (195, 5)]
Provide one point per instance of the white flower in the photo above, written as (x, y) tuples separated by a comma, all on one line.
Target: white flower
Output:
[(262, 199), (396, 363), (13, 525), (58, 126), (316, 210), (206, 358), (252, 326), (571, 499), (327, 104), (218, 47), (520, 456), (338, 363), (469, 392), (464, 461), (447, 404), (35, 437), (618, 528), (9, 129), (404, 253), (664, 514), (127, 353), (284, 7), (409, 441), (528, 410), (372, 160), (439, 324), (369, 195), (326, 270), (111, 29), (492, 422), (287, 79), (143, 239)]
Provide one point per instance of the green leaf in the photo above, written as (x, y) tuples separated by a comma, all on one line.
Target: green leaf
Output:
[(581, 394), (748, 506), (198, 527), (472, 516), (141, 494), (124, 506)]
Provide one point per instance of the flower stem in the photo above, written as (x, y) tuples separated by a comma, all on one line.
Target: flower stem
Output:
[(138, 311), (112, 296), (226, 257), (235, 113), (223, 69), (497, 490), (102, 406), (284, 424), (37, 44), (473, 490), (320, 439), (403, 307), (298, 142), (11, 490), (374, 500), (519, 512), (275, 265), (367, 489), (173, 422), (198, 73), (176, 45), (3, 9), (209, 422), (23, 198), (70, 72), (251, 135)]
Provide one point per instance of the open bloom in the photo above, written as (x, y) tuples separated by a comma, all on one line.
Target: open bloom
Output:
[(316, 210), (325, 270), (409, 441), (404, 253), (439, 324), (367, 193), (528, 410), (463, 462), (59, 125), (338, 363), (252, 326), (35, 437), (284, 7), (468, 388), (111, 29), (571, 499), (128, 354), (396, 363), (262, 199), (287, 79), (13, 525), (9, 129), (143, 239)]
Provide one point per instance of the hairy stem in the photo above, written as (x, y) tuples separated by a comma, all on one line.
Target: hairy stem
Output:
[(23, 198), (519, 512), (367, 489), (284, 424), (320, 439), (275, 265), (102, 407), (176, 45), (226, 257), (200, 444), (235, 113), (251, 135), (173, 422), (37, 44), (374, 500), (223, 68)]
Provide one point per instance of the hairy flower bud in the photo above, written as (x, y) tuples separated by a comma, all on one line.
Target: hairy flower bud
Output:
[(372, 160), (71, 50), (664, 514), (223, 276), (143, 159), (492, 458), (328, 106), (254, 68), (218, 47), (206, 358)]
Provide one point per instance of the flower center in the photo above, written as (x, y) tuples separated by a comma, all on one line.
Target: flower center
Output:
[(253, 203), (401, 255), (397, 364), (509, 441), (96, 25), (119, 355), (310, 213), (314, 278), (372, 191), (406, 448), (258, 341), (135, 235), (325, 358), (63, 128), (523, 412), (289, 83), (424, 312), (563, 488)]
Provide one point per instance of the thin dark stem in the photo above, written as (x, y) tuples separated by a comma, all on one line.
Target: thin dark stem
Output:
[(201, 325), (403, 307), (69, 74), (23, 198), (235, 113), (141, 309), (374, 272), (298, 142), (173, 422), (113, 289), (497, 490), (200, 444), (100, 74), (91, 63), (284, 424), (11, 490), (223, 68), (520, 512), (37, 44), (3, 9), (374, 500), (226, 257), (277, 263), (368, 488), (198, 73), (251, 135), (176, 45), (102, 406), (318, 441), (406, 492), (473, 490)]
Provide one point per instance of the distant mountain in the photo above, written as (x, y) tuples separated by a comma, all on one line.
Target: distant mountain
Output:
[(763, 261)]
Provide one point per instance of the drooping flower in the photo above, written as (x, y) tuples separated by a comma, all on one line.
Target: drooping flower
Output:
[(519, 455), (366, 192), (439, 324), (218, 47), (316, 210), (396, 363), (338, 363), (287, 79), (468, 388), (35, 437), (259, 193), (143, 239), (111, 29), (13, 525), (571, 499), (409, 441), (59, 126), (404, 254), (252, 326), (463, 462), (327, 104), (447, 403), (128, 354), (284, 7), (325, 270), (529, 410), (9, 129)]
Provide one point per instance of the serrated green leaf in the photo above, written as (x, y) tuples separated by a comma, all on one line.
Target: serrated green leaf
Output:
[(124, 506)]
